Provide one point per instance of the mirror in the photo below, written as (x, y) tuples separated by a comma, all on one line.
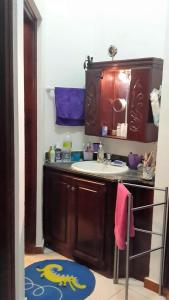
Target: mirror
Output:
[(119, 104), (115, 89)]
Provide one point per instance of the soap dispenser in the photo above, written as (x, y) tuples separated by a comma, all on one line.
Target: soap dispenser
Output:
[(100, 154)]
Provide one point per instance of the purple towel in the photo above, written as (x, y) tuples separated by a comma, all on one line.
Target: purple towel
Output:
[(69, 106)]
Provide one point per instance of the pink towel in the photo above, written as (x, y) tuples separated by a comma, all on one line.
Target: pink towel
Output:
[(121, 217)]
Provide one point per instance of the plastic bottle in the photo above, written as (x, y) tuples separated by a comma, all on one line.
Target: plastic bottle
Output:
[(118, 129), (58, 153), (108, 158), (122, 130), (154, 97), (67, 147), (104, 130), (100, 154), (51, 154)]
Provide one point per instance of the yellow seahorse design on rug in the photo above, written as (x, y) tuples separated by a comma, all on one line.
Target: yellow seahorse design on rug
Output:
[(50, 273)]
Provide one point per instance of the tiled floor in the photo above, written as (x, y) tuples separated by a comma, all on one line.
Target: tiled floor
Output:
[(105, 289)]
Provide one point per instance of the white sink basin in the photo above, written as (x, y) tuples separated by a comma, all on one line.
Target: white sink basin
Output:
[(98, 168)]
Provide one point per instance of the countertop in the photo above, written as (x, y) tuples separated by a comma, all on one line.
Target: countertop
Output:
[(132, 176)]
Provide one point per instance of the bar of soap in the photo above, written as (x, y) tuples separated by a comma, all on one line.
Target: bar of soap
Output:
[(118, 163)]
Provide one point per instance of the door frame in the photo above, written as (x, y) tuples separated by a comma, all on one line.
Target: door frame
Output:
[(30, 130), (32, 15), (7, 199)]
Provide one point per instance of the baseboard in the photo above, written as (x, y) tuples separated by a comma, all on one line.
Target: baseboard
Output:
[(39, 250), (153, 286), (166, 293), (34, 250)]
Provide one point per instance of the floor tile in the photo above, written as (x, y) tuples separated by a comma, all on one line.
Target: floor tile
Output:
[(157, 297), (29, 259), (132, 295), (104, 289), (138, 286)]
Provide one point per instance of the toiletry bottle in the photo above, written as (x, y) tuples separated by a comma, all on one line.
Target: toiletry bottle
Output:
[(100, 154), (118, 129), (90, 151), (52, 155), (47, 157), (104, 130), (155, 104), (108, 158), (58, 153), (54, 148), (67, 147)]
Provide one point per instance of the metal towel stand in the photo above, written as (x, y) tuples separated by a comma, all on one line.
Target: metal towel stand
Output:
[(163, 235)]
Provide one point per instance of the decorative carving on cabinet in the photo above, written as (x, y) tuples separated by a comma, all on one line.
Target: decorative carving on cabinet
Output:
[(91, 106), (88, 61), (136, 107)]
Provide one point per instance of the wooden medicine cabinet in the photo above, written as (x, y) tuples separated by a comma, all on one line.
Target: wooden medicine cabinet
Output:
[(118, 95)]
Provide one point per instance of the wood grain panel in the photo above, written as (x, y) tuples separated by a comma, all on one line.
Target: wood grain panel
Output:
[(90, 222), (92, 103), (30, 95), (57, 220)]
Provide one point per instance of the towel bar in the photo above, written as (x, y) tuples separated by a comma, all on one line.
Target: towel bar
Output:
[(50, 90), (163, 235)]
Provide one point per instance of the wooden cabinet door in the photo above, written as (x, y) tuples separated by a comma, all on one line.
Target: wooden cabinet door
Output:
[(139, 106), (57, 201), (92, 103), (106, 85), (89, 221)]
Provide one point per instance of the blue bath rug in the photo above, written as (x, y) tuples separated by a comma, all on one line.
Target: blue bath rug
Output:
[(58, 280)]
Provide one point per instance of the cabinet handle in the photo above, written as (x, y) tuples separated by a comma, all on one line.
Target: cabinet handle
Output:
[(100, 76), (73, 188)]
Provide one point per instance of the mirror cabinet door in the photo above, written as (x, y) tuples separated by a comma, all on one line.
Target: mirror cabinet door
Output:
[(92, 103), (115, 90)]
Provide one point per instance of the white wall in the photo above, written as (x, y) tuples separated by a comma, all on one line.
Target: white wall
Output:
[(162, 168), (19, 145), (135, 27), (68, 38), (122, 147), (74, 29)]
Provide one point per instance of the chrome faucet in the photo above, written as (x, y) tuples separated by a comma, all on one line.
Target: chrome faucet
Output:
[(107, 160)]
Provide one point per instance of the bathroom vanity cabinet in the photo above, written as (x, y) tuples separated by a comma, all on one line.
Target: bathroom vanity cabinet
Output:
[(119, 92), (78, 220)]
